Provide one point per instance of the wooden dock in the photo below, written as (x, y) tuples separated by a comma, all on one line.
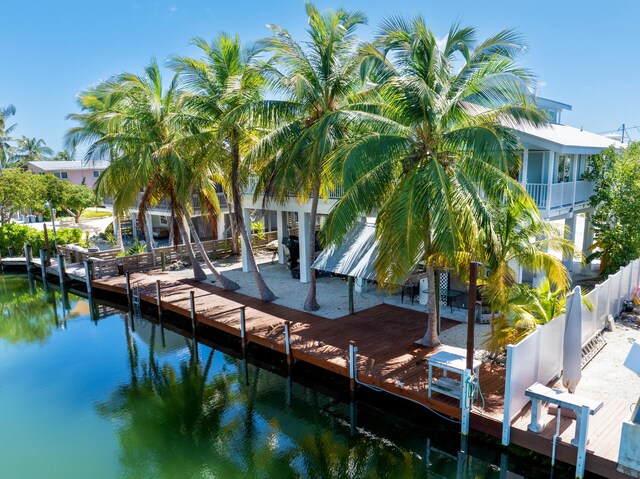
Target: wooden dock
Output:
[(387, 357)]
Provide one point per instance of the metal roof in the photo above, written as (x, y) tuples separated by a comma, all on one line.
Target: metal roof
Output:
[(68, 165), (354, 256)]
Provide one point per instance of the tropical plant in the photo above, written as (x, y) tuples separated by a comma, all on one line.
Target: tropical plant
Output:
[(437, 149), (136, 122), (6, 149), (519, 237), (222, 81), (616, 200), (135, 248), (19, 191), (64, 155), (320, 83), (14, 236), (31, 149)]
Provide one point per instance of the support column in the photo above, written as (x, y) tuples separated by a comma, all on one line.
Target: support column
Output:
[(246, 217), (117, 233), (150, 228), (282, 232), (134, 224), (221, 226), (524, 168), (587, 240), (304, 233), (570, 234), (551, 165)]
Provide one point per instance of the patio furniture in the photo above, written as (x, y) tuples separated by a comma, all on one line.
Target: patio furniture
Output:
[(449, 362), (411, 289), (451, 296)]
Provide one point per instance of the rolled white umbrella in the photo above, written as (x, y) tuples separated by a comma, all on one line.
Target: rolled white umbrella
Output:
[(572, 344)]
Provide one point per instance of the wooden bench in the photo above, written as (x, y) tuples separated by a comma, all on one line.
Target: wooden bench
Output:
[(583, 408)]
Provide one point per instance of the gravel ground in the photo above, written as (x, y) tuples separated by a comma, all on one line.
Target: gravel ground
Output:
[(605, 375)]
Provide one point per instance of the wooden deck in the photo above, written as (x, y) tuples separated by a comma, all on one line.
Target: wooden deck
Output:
[(388, 358)]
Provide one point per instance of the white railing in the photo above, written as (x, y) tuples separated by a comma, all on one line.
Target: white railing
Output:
[(538, 357), (562, 194), (335, 193)]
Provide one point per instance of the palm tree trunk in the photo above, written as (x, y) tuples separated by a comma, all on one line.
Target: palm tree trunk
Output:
[(198, 272), (225, 282), (265, 293), (148, 234), (117, 232), (430, 338), (311, 303), (233, 225)]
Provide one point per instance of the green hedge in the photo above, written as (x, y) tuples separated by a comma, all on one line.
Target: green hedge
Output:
[(15, 236)]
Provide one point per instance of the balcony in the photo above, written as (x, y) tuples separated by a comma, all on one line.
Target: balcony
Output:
[(334, 194), (163, 205), (560, 195)]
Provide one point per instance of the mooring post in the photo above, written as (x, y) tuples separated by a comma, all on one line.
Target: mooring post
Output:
[(287, 341), (46, 243), (192, 303), (127, 277), (163, 260), (61, 268), (27, 256), (159, 301), (243, 328), (353, 365), (43, 264), (88, 269), (471, 318)]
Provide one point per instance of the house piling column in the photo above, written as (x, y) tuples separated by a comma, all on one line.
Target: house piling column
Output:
[(551, 166), (524, 167), (587, 240), (282, 232), (304, 232), (246, 217), (570, 234), (221, 226), (134, 224), (117, 232)]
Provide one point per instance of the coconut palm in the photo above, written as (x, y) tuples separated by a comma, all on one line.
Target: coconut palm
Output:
[(438, 149), (63, 155), (138, 124), (319, 81), (224, 79), (6, 149), (32, 149)]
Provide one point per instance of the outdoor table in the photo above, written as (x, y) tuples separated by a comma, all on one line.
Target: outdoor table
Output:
[(449, 363), (451, 295)]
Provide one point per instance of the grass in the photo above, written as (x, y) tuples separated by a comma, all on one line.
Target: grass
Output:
[(94, 213)]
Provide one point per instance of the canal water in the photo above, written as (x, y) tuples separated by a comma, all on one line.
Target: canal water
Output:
[(83, 395)]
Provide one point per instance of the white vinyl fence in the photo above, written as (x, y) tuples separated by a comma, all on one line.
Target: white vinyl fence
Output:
[(538, 357)]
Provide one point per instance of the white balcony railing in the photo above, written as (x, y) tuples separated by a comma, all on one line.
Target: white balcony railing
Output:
[(560, 194)]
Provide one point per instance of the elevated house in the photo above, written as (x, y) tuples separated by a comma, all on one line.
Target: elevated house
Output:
[(554, 161), (76, 172)]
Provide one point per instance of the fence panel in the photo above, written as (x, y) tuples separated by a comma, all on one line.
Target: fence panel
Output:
[(551, 349), (589, 318), (522, 373), (614, 290)]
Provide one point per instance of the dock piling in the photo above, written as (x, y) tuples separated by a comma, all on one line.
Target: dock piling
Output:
[(192, 303), (46, 243), (43, 264), (128, 287), (243, 327), (62, 269), (163, 260), (353, 365), (27, 256), (159, 301), (287, 341), (88, 269)]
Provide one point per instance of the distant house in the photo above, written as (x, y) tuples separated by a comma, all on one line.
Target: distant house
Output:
[(75, 172)]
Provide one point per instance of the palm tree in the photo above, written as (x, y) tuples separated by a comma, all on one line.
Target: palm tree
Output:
[(518, 236), (6, 149), (225, 79), (320, 82), (64, 155), (32, 149), (438, 147), (138, 124)]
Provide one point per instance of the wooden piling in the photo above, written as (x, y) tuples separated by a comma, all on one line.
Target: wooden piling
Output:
[(192, 303), (88, 269), (46, 243), (62, 269), (43, 264), (163, 260), (287, 341), (159, 301), (243, 328), (129, 292), (27, 256)]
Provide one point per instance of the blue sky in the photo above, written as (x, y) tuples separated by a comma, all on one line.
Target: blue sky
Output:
[(582, 54)]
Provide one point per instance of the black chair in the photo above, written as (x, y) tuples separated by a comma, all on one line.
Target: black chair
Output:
[(412, 289)]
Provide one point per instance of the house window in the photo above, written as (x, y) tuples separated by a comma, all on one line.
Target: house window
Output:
[(96, 173), (163, 220), (61, 174), (562, 172), (583, 166)]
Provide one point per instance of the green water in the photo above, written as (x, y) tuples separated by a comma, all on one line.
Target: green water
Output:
[(84, 396)]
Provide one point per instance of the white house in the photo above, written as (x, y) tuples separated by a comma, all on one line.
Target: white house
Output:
[(554, 160)]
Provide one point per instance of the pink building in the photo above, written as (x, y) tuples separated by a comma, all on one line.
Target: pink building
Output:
[(72, 171)]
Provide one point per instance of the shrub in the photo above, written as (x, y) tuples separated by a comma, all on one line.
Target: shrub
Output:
[(14, 236)]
